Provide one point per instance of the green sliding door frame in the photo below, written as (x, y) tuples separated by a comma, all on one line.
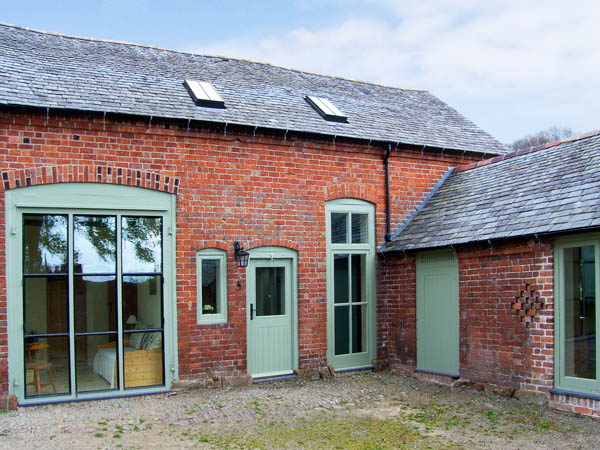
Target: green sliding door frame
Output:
[(88, 199), (562, 381)]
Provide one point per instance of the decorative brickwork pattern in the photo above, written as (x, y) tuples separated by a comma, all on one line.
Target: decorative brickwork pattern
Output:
[(527, 303)]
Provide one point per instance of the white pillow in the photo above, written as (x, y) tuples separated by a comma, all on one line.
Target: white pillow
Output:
[(146, 340), (155, 342), (136, 338)]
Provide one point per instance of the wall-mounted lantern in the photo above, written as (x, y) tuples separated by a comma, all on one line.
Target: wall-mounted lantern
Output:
[(240, 255)]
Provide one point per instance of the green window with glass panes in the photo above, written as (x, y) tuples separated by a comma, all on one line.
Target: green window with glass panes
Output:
[(211, 279), (350, 283), (88, 296), (576, 288)]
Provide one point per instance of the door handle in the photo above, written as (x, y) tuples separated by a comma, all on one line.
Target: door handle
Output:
[(251, 311)]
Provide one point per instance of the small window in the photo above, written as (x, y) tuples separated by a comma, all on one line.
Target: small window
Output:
[(327, 110), (204, 94), (211, 276)]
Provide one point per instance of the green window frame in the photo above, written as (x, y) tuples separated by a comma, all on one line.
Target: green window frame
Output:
[(351, 328), (577, 313), (211, 286), (72, 200)]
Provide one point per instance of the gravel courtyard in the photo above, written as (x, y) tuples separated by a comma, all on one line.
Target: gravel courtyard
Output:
[(370, 411)]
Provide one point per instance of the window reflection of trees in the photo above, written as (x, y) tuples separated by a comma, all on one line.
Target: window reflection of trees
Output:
[(144, 233), (50, 253), (100, 232), (45, 244)]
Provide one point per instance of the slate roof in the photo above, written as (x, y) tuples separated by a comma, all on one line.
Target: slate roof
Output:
[(551, 189), (48, 70)]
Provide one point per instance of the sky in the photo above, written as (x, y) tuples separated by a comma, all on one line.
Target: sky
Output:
[(512, 67)]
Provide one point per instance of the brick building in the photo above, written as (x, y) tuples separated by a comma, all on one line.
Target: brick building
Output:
[(503, 267), (177, 218)]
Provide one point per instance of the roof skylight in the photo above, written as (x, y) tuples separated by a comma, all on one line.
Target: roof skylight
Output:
[(327, 110), (204, 94)]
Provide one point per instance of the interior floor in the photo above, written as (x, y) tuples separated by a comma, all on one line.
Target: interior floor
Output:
[(86, 379)]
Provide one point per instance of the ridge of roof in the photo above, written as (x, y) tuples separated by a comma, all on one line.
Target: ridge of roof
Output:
[(183, 52), (535, 148)]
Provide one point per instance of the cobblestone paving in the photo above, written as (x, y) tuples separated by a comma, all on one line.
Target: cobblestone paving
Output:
[(379, 410)]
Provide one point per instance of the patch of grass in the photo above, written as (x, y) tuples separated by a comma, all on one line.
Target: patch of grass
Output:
[(256, 406), (98, 435), (492, 417), (325, 432), (438, 416), (534, 422)]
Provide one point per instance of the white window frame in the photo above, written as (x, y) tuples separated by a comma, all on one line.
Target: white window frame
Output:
[(221, 256)]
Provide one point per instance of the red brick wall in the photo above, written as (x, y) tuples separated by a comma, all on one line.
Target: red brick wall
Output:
[(506, 313), (259, 190), (397, 311)]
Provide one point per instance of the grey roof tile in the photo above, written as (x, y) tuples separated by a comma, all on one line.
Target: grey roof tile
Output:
[(48, 70), (553, 189)]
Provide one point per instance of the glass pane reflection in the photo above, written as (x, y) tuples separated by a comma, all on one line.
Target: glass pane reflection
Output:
[(342, 329), (142, 299), (94, 246), (359, 228), (47, 366), (270, 295), (359, 328), (44, 244), (96, 362), (340, 278), (359, 276), (141, 237), (338, 228), (95, 304), (580, 312), (46, 305), (210, 287), (143, 365)]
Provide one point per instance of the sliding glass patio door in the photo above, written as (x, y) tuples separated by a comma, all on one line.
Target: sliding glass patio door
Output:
[(92, 302)]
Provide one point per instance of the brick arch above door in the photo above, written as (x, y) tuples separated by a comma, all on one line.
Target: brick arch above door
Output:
[(93, 173)]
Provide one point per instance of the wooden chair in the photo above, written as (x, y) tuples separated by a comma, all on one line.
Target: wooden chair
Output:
[(37, 355)]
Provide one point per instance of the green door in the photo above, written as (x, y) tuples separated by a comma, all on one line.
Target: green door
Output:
[(437, 313), (270, 317)]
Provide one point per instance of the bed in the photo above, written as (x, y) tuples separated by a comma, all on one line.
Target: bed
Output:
[(143, 367)]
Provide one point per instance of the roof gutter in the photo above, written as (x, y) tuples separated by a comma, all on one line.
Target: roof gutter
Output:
[(252, 127)]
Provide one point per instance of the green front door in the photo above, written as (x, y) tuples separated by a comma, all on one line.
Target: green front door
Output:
[(437, 313), (270, 313)]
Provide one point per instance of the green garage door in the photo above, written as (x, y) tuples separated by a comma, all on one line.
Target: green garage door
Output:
[(437, 313)]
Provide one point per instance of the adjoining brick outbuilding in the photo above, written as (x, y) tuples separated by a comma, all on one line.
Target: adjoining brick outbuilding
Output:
[(512, 245)]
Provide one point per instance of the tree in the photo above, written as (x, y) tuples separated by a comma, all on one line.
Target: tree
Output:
[(551, 134)]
